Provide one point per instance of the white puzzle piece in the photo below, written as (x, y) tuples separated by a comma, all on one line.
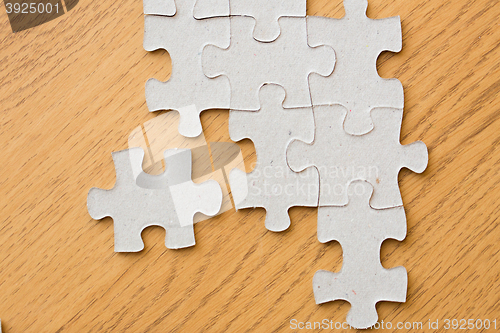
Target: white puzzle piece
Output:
[(272, 185), (249, 64), (355, 83), (159, 7), (139, 200), (160, 133), (340, 158), (266, 13), (188, 90), (204, 9), (362, 281)]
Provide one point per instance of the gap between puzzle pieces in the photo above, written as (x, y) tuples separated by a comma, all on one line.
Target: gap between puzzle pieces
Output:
[(139, 200)]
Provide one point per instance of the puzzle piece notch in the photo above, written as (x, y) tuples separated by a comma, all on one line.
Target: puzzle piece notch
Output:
[(169, 200), (340, 158), (266, 13), (287, 61), (188, 90), (362, 281), (175, 171), (163, 7), (358, 41), (272, 185)]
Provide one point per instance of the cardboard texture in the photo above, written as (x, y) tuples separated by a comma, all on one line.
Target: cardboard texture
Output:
[(163, 7), (362, 281), (139, 200), (211, 8), (188, 90), (355, 83), (340, 158), (266, 13), (249, 64), (272, 185)]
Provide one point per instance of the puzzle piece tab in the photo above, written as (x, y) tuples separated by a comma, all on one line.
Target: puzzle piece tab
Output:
[(266, 13), (272, 185), (362, 281), (188, 90), (355, 83), (249, 64), (376, 157), (139, 200)]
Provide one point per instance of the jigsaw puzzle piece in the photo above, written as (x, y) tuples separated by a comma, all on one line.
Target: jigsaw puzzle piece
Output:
[(388, 285), (204, 9), (188, 90), (177, 178), (175, 172), (287, 61), (340, 158), (272, 185), (266, 13), (355, 83), (138, 200), (362, 281), (159, 7)]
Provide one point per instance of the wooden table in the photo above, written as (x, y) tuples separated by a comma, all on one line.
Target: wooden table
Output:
[(72, 90)]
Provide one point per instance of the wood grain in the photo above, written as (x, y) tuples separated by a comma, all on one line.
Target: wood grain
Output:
[(72, 90)]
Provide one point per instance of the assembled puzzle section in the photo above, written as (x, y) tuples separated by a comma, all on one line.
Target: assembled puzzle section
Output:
[(355, 83), (265, 13), (188, 90), (139, 200), (249, 64), (362, 281), (341, 158), (272, 185), (306, 91)]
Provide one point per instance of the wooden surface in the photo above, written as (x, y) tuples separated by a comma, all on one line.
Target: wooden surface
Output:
[(72, 90)]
